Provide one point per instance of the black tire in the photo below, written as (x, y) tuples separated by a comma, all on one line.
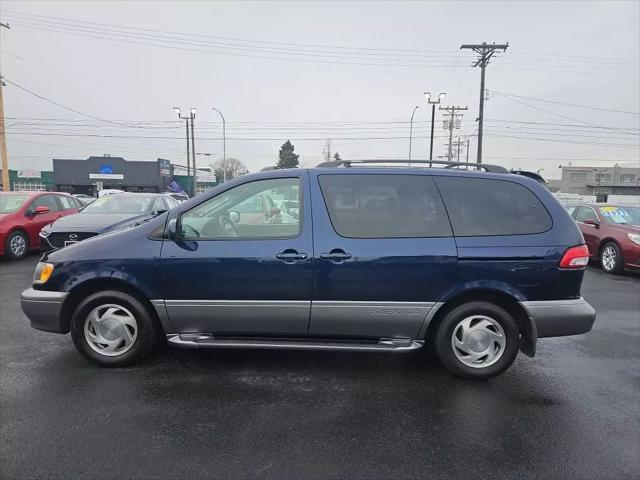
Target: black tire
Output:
[(146, 335), (20, 237), (616, 265), (450, 324)]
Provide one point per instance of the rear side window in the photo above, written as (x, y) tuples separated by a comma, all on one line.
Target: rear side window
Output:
[(384, 206), (67, 202), (482, 207), (586, 214)]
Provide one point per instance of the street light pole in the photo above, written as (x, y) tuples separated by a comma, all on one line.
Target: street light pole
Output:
[(433, 104), (193, 153), (224, 146), (186, 123), (411, 131)]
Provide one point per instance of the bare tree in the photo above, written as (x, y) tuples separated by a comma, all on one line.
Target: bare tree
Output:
[(234, 168)]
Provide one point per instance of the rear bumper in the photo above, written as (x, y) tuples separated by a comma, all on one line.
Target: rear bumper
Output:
[(558, 318), (43, 309)]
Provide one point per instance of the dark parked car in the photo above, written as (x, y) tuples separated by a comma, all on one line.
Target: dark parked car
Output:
[(103, 215), (478, 265), (84, 199), (612, 234), (24, 214)]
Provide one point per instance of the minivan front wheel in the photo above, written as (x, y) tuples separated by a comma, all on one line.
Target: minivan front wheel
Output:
[(113, 329), (477, 340)]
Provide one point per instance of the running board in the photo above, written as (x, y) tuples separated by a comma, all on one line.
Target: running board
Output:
[(203, 340)]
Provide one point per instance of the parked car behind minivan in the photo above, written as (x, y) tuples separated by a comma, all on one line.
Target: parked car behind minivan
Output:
[(105, 214), (612, 234), (477, 265), (24, 214)]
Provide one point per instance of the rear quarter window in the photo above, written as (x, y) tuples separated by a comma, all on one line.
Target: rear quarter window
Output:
[(485, 207)]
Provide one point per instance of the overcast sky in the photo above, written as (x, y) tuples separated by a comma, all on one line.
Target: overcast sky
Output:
[(349, 72)]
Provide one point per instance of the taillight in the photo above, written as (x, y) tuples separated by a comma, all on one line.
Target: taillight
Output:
[(575, 257)]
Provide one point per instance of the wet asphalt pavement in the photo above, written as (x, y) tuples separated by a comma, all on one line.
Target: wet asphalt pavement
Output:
[(571, 412)]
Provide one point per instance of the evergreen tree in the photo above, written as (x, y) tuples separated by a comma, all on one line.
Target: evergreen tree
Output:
[(288, 159)]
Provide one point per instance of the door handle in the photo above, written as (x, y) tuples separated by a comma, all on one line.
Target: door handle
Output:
[(290, 256), (336, 255)]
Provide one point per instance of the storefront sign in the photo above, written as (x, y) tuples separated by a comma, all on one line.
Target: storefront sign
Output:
[(165, 167), (106, 176), (206, 178), (203, 176), (29, 174)]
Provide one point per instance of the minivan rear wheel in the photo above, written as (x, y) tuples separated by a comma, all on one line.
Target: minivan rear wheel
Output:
[(113, 329), (477, 340)]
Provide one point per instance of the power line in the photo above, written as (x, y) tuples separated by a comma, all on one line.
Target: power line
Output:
[(41, 97), (144, 39), (339, 55), (564, 103), (566, 117)]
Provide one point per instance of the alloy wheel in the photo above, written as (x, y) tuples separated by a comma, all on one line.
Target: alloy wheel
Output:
[(478, 341), (18, 246), (609, 258), (110, 330)]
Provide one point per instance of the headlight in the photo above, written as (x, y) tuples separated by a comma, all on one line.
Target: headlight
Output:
[(44, 233), (634, 237), (42, 273)]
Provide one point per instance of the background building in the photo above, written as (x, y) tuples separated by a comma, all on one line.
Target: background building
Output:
[(31, 180), (95, 173), (598, 181)]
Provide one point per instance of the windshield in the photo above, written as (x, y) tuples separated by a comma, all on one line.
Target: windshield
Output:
[(621, 215), (120, 204), (11, 203)]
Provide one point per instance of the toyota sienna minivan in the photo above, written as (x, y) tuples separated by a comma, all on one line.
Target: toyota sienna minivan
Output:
[(477, 265)]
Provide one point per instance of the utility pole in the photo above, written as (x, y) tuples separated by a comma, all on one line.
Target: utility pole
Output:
[(458, 145), (3, 139), (326, 151), (485, 52), (433, 104), (186, 119), (451, 124), (467, 150), (224, 145)]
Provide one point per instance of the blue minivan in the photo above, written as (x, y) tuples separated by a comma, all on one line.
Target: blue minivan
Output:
[(476, 265)]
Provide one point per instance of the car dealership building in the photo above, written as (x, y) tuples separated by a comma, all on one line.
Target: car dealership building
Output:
[(92, 174)]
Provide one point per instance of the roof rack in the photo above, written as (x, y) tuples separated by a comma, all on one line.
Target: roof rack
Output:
[(480, 166)]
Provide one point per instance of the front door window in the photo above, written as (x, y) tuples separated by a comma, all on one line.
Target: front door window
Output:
[(255, 210)]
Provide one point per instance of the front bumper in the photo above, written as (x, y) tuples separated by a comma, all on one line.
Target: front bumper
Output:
[(558, 318), (45, 246), (43, 309)]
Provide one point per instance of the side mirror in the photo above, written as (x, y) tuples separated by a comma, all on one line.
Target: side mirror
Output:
[(595, 223), (234, 217), (41, 209)]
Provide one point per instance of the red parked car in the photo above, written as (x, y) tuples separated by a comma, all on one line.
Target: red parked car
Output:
[(23, 214), (612, 234)]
